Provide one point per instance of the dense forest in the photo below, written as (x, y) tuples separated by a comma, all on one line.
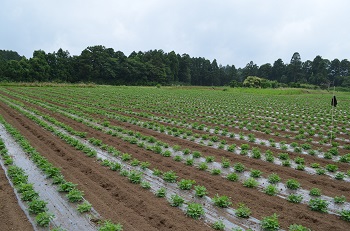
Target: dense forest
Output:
[(102, 65)]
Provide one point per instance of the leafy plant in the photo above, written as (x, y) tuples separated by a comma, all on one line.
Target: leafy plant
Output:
[(239, 167), (209, 159), (218, 225), (194, 210), (315, 192), (270, 222), (331, 167), (176, 200), (84, 207), (345, 215), (271, 190), (107, 225), (135, 177), (243, 211), (292, 184), (339, 199), (203, 166), (157, 172), (215, 171), (200, 190), (37, 206), (318, 205), (295, 198), (295, 227), (189, 161), (145, 184), (250, 183), (232, 176), (186, 184), (255, 173), (75, 195), (161, 192), (196, 154), (222, 201), (43, 219), (273, 178), (170, 176)]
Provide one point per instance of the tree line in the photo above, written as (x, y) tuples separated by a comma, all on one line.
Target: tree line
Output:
[(102, 65)]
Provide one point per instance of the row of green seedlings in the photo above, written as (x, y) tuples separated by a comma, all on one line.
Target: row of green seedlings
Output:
[(74, 195), (19, 179), (328, 155), (251, 182), (269, 190), (135, 177), (104, 99)]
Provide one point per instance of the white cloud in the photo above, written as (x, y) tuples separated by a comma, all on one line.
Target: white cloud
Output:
[(232, 31)]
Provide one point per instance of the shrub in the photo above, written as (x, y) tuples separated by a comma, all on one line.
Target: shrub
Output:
[(194, 210), (222, 201), (318, 205), (243, 211), (270, 223)]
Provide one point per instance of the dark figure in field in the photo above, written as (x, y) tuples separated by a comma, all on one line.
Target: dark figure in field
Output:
[(334, 101)]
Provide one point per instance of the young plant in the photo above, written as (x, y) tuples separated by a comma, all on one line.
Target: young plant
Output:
[(339, 200), (109, 226), (222, 201), (239, 167), (170, 176), (255, 173), (273, 178), (37, 206), (84, 207), (186, 184), (295, 198), (292, 184), (345, 215), (200, 191), (209, 159), (215, 171), (225, 163), (75, 195), (203, 166), (161, 192), (135, 177), (295, 227), (250, 183), (318, 205), (232, 176), (218, 225), (315, 192), (243, 211), (43, 219), (271, 190), (176, 200), (145, 184), (270, 223), (194, 210)]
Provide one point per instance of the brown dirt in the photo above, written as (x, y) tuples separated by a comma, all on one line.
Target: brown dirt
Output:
[(264, 206), (12, 216), (110, 194)]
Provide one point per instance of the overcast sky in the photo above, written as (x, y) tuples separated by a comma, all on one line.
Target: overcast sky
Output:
[(230, 31)]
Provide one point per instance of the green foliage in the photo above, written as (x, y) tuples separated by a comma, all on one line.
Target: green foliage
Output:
[(239, 167), (270, 223), (176, 200), (250, 183), (194, 210), (232, 176), (295, 198), (145, 184), (273, 178), (161, 192), (243, 211), (318, 204), (135, 177), (315, 192), (186, 184), (339, 199), (218, 225), (345, 215), (255, 173), (43, 219), (84, 207), (200, 191), (293, 184), (295, 227), (75, 195), (271, 190), (37, 206), (222, 201), (170, 176), (107, 225), (203, 166)]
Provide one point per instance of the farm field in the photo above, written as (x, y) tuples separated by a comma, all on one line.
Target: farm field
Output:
[(183, 158)]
